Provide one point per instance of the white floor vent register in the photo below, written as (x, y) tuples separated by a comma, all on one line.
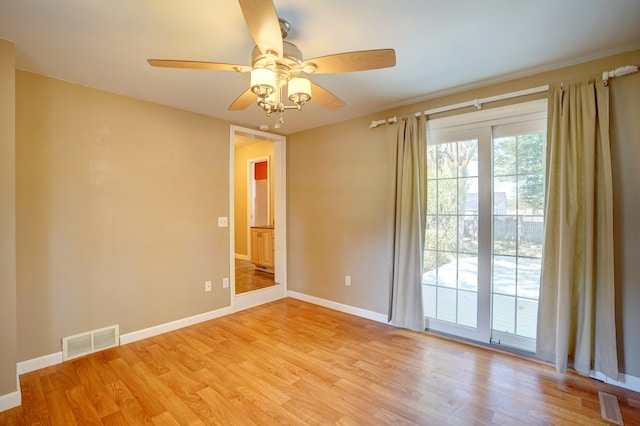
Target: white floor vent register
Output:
[(609, 408), (89, 342)]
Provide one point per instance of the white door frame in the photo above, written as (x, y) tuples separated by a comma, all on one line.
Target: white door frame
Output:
[(278, 291)]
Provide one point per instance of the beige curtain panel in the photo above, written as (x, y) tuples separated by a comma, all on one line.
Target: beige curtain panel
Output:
[(576, 316), (406, 309)]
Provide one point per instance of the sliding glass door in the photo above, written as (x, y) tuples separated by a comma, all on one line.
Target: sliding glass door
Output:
[(483, 240)]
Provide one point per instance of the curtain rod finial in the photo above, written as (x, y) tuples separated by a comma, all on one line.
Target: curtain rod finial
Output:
[(619, 72)]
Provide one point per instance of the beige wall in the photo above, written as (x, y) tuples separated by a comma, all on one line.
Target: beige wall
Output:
[(339, 195), (248, 149), (338, 188), (8, 336), (117, 201)]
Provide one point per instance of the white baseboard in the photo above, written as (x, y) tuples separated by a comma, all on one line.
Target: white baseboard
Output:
[(173, 325), (37, 363), (56, 358), (359, 312), (258, 297), (10, 400), (624, 380)]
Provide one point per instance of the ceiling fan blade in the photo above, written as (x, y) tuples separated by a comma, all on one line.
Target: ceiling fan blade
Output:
[(324, 98), (198, 65), (362, 60), (263, 24), (243, 101)]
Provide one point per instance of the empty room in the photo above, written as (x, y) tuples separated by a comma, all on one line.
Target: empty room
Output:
[(241, 212)]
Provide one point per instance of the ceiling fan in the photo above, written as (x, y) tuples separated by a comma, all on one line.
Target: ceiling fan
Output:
[(276, 65)]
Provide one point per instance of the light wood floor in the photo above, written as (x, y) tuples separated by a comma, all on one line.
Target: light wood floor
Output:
[(290, 362), (249, 279)]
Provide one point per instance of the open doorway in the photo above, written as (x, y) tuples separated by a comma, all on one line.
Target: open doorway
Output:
[(257, 222)]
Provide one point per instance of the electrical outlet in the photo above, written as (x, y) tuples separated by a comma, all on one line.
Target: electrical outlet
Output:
[(225, 282), (207, 286), (223, 222), (347, 280)]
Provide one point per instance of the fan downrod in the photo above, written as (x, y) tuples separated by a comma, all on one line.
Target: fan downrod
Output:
[(285, 27)]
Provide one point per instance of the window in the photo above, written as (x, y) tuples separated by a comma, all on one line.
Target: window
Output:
[(483, 240)]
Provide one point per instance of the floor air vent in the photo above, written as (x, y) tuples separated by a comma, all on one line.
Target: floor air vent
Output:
[(609, 408), (89, 342)]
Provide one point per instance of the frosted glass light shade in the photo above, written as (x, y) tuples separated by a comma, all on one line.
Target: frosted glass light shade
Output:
[(299, 90), (263, 81)]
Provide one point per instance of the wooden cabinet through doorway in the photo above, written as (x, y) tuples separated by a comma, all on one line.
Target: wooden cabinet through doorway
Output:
[(262, 248)]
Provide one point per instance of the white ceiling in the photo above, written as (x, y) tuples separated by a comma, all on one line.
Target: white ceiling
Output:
[(441, 46)]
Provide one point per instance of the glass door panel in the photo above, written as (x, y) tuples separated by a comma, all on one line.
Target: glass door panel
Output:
[(450, 280), (518, 224)]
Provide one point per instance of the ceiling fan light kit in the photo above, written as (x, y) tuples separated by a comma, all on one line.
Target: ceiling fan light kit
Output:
[(299, 90), (276, 65), (263, 82)]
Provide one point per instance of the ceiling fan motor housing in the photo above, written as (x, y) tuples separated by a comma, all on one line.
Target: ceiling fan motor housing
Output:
[(291, 60)]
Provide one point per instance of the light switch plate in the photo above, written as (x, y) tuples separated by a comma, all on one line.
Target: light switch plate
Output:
[(223, 222)]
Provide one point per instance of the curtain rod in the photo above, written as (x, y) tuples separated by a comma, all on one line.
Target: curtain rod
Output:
[(476, 102), (606, 75)]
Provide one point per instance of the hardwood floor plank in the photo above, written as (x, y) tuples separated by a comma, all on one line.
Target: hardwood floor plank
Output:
[(272, 392), (82, 406), (149, 402), (165, 419), (197, 341), (60, 409), (59, 378), (130, 353), (176, 367), (151, 359), (291, 362), (270, 372), (346, 421), (310, 410), (222, 411), (34, 407), (128, 404), (94, 387), (178, 409), (306, 363), (115, 419), (341, 401), (100, 364)]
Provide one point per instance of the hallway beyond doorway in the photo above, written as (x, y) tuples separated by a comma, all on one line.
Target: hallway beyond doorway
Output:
[(249, 279)]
